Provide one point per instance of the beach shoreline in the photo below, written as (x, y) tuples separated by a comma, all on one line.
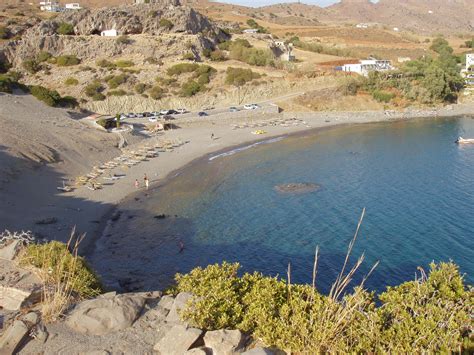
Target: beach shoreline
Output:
[(90, 211)]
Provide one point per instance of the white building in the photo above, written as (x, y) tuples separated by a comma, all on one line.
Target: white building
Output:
[(364, 67), (73, 6), (250, 30), (50, 6), (362, 25), (109, 33), (469, 61), (468, 72)]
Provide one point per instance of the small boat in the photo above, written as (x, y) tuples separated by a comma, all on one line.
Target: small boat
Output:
[(462, 140), (260, 131)]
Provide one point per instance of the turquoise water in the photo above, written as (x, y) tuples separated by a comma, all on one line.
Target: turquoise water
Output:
[(417, 187)]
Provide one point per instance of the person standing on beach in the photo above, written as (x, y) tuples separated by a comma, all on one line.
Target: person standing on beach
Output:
[(212, 136), (146, 181), (137, 184)]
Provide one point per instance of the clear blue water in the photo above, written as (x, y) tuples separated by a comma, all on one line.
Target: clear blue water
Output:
[(417, 187)]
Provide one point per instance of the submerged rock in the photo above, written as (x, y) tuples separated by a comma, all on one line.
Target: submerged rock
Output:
[(297, 188)]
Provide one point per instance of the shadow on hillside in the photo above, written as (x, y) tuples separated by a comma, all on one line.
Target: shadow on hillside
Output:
[(30, 200)]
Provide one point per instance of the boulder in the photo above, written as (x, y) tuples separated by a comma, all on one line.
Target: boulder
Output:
[(19, 288), (224, 342), (13, 336), (178, 340), (199, 351), (263, 351), (107, 314), (10, 250), (178, 304), (166, 302)]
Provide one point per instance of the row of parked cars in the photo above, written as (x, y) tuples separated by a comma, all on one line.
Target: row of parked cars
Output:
[(154, 114)]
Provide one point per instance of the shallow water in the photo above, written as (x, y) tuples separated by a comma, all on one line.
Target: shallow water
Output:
[(417, 187)]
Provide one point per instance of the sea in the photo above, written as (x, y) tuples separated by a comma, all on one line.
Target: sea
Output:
[(415, 184)]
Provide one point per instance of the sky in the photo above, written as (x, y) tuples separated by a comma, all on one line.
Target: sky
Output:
[(256, 3)]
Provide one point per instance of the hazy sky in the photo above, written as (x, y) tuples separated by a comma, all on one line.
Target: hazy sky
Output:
[(256, 3)]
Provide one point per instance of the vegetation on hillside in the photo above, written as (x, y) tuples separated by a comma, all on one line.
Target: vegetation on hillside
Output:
[(239, 76), (65, 28), (430, 314), (426, 80), (243, 51)]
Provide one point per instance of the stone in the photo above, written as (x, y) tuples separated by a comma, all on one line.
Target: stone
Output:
[(40, 333), (10, 250), (19, 288), (31, 318), (224, 342), (177, 340), (13, 336), (178, 304), (105, 315), (166, 302), (199, 351), (297, 188), (263, 351)]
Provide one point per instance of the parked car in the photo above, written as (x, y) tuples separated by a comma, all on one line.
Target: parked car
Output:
[(250, 107), (147, 114), (172, 112), (164, 112), (152, 119), (202, 114), (233, 109), (155, 113), (181, 110), (139, 115), (131, 115)]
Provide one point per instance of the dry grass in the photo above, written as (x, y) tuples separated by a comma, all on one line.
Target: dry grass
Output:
[(65, 276)]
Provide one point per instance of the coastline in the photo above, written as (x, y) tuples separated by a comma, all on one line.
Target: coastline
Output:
[(90, 211)]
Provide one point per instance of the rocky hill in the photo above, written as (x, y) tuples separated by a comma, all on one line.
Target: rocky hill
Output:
[(151, 19)]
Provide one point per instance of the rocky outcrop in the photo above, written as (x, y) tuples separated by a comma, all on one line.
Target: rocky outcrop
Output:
[(17, 333), (224, 342), (106, 314), (127, 20), (297, 188), (178, 340)]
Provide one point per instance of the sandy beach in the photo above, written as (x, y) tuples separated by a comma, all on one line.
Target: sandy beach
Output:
[(33, 197)]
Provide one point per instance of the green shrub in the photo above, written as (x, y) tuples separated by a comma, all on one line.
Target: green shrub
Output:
[(115, 81), (49, 97), (94, 90), (239, 76), (124, 63), (319, 48), (140, 88), (43, 56), (253, 24), (351, 86), (104, 63), (65, 28), (67, 60), (383, 96), (6, 83), (217, 56), (165, 81), (124, 39), (71, 81), (181, 68), (4, 32), (203, 79), (4, 65), (55, 259), (258, 57), (119, 92), (429, 315), (165, 23), (31, 66), (190, 88), (156, 92), (206, 52), (188, 56)]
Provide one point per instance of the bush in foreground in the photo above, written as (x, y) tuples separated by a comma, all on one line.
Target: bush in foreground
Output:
[(430, 314), (67, 60)]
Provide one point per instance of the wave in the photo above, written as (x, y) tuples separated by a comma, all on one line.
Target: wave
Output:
[(241, 149)]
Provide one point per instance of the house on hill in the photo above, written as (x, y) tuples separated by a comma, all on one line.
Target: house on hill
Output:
[(364, 67)]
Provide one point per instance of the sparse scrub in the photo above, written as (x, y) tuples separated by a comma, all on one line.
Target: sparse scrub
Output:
[(188, 56), (123, 39), (65, 275), (4, 32), (67, 60), (217, 56), (181, 68), (104, 63), (118, 92), (94, 90), (351, 86), (239, 76), (43, 56), (140, 88), (156, 92), (383, 96), (165, 23), (65, 28), (114, 81), (165, 81), (71, 81), (191, 88), (238, 50), (124, 63), (49, 97), (319, 48), (31, 66)]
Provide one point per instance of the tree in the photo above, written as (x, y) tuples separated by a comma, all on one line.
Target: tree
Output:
[(65, 28), (440, 45)]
